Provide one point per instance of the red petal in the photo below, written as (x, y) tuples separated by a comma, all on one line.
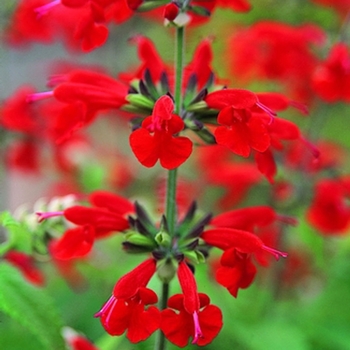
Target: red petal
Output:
[(75, 243), (143, 323), (237, 98), (177, 328), (114, 203), (128, 285), (210, 320), (189, 288), (144, 147)]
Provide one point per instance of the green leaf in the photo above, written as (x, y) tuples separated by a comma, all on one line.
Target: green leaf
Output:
[(30, 307), (18, 236)]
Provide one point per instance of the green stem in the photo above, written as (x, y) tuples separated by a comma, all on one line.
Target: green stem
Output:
[(161, 340), (179, 58), (171, 201), (172, 174)]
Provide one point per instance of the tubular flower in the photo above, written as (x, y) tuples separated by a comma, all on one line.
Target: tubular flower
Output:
[(276, 51), (197, 319), (241, 131), (236, 268), (108, 215), (243, 241), (236, 271), (329, 211), (125, 310), (155, 141), (331, 79)]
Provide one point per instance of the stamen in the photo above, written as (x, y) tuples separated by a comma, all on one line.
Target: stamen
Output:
[(43, 216), (44, 9), (54, 80), (287, 220), (105, 306), (39, 96), (269, 111), (197, 329), (276, 253)]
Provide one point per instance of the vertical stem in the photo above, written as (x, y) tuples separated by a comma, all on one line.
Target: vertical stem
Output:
[(172, 174), (161, 341)]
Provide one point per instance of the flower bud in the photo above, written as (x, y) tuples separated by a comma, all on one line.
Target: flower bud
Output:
[(166, 270), (139, 240), (171, 11)]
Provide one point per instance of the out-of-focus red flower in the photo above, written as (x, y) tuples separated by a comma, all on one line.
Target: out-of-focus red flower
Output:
[(81, 24), (77, 341), (277, 51), (329, 211), (155, 141), (331, 79), (125, 310), (341, 6), (221, 168), (26, 265)]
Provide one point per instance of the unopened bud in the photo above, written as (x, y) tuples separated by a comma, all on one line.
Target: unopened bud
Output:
[(139, 240), (171, 11), (166, 271)]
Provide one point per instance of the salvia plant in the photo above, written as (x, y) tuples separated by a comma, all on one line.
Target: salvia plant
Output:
[(220, 219)]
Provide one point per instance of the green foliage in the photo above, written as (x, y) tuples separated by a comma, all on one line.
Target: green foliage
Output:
[(18, 236), (31, 308)]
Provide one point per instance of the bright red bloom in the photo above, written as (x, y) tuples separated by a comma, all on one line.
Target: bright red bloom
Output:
[(197, 319), (120, 315), (241, 130), (178, 326), (26, 265), (108, 215), (243, 241), (155, 141), (236, 271), (249, 218), (331, 79), (125, 310)]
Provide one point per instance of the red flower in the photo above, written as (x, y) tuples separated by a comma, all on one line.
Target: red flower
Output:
[(241, 130), (243, 241), (178, 327), (196, 318), (278, 51), (331, 79), (236, 271), (155, 141), (125, 310), (108, 215), (329, 211)]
